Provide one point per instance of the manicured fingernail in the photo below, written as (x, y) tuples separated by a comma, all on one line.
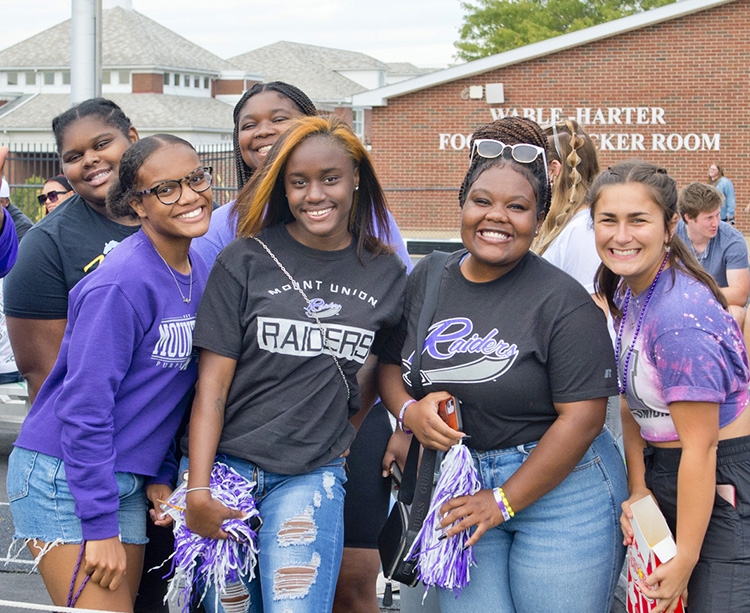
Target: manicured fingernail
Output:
[(442, 537)]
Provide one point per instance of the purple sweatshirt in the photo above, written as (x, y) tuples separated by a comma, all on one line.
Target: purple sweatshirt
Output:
[(8, 245), (119, 389)]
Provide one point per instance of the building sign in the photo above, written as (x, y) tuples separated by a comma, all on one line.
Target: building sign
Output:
[(601, 124)]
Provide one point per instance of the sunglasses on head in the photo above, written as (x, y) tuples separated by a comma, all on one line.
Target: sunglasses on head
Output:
[(523, 153), (52, 196)]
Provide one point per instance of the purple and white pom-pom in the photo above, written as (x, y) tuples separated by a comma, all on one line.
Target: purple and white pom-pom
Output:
[(199, 562), (445, 563)]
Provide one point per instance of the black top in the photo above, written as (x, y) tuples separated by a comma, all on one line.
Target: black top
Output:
[(287, 409), (508, 348), (56, 254)]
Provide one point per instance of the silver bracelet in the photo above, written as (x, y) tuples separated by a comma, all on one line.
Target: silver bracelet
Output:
[(195, 489)]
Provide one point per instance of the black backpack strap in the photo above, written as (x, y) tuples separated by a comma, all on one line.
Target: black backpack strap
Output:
[(422, 492), (438, 260)]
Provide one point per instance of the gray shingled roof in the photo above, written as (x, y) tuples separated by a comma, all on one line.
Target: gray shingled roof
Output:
[(311, 68), (148, 112), (129, 40)]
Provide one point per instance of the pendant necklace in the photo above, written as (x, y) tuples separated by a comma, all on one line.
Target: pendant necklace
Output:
[(177, 283), (621, 386)]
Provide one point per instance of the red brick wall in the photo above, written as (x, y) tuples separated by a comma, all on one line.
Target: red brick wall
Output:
[(695, 68), (150, 83)]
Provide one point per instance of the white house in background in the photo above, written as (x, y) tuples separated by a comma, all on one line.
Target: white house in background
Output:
[(162, 81)]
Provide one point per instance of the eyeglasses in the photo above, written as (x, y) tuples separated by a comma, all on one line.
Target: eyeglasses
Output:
[(53, 197), (523, 153), (169, 192)]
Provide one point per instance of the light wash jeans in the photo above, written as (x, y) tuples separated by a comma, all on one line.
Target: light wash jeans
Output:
[(562, 553), (300, 541)]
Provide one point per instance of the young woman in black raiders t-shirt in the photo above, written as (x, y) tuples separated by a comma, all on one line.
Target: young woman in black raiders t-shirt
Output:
[(526, 350), (292, 309)]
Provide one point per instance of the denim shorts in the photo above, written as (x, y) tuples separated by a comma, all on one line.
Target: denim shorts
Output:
[(44, 509)]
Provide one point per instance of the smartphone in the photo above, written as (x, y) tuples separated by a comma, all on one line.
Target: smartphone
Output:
[(450, 412), (395, 474)]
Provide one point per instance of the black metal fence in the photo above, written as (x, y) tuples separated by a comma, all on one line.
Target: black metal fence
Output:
[(29, 166)]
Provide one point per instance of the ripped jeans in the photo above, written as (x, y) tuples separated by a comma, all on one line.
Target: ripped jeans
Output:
[(301, 542)]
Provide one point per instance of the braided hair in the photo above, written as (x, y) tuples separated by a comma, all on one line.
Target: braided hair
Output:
[(574, 150), (511, 131), (296, 95), (662, 190)]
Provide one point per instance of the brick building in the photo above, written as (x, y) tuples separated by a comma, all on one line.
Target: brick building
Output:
[(667, 86)]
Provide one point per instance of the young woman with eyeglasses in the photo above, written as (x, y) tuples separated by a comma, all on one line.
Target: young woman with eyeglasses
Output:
[(55, 191), (526, 350), (95, 443), (683, 377)]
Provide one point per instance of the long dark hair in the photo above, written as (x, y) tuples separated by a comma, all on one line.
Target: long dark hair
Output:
[(262, 202), (663, 191)]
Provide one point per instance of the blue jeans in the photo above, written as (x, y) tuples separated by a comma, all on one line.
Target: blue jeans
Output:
[(43, 507), (300, 542), (562, 553)]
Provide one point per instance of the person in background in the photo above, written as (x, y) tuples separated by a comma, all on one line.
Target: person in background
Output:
[(274, 402), (566, 238), (8, 237), (93, 448), (719, 247), (54, 192), (261, 116), (525, 349), (683, 374), (61, 249), (717, 179), (20, 221), (8, 368)]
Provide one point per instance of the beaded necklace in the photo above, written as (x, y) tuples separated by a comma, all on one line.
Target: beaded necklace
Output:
[(621, 386)]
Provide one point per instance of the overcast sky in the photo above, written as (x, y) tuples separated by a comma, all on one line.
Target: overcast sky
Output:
[(418, 31)]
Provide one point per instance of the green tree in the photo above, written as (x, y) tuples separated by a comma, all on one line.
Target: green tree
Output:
[(25, 197), (494, 26)]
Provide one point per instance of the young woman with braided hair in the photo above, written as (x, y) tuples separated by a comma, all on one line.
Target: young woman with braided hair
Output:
[(566, 237), (526, 351)]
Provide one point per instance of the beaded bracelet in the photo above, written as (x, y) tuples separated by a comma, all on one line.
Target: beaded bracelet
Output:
[(502, 503), (401, 416)]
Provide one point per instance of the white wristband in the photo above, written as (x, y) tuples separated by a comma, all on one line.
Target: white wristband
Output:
[(401, 415)]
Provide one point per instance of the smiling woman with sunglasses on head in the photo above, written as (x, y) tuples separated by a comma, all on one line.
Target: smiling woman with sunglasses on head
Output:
[(95, 442), (526, 351)]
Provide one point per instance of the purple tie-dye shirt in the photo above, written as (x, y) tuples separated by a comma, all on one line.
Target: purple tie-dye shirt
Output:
[(689, 349)]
